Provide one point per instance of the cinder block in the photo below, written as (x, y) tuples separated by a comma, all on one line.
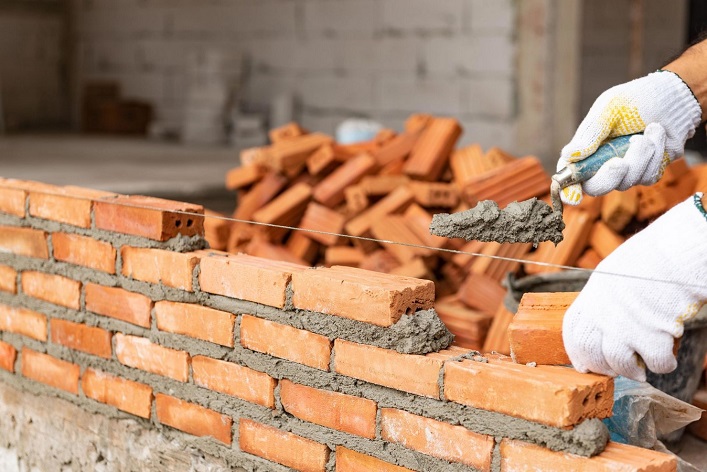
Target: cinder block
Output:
[(489, 98), (497, 17), (371, 57), (354, 19), (412, 95), (332, 93), (422, 16), (132, 397), (451, 56)]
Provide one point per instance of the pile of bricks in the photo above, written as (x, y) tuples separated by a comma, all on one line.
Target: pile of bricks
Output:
[(111, 302), (389, 188)]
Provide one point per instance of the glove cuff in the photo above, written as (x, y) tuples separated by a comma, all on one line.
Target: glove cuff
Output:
[(681, 105)]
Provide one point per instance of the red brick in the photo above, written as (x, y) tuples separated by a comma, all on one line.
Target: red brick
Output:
[(244, 176), (118, 303), (196, 321), (8, 355), (320, 220), (25, 322), (233, 379), (352, 461), (26, 242), (282, 447), (52, 288), (126, 395), (12, 200), (8, 279), (359, 294), (536, 330), (142, 354), (555, 396), (150, 217), (330, 191), (70, 205), (174, 269), (246, 277), (334, 410), (517, 456), (193, 419), (51, 371), (395, 202), (84, 251), (437, 439), (285, 132), (297, 345), (80, 337), (432, 150), (407, 372)]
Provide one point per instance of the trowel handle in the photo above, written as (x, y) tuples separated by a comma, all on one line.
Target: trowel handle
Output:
[(585, 169)]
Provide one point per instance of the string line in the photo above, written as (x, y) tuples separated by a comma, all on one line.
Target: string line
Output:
[(385, 241)]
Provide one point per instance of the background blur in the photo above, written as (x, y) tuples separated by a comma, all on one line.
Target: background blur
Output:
[(517, 74)]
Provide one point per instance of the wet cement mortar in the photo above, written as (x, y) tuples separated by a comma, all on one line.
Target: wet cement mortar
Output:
[(417, 333), (530, 221)]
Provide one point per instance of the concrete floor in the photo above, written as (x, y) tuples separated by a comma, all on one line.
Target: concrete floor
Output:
[(122, 165), (168, 170)]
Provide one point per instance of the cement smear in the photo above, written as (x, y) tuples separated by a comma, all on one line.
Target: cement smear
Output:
[(530, 221)]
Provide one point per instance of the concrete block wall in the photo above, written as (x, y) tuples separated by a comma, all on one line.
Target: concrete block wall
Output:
[(33, 58), (111, 304), (375, 58)]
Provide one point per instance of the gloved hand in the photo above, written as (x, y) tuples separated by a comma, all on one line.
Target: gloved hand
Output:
[(616, 319), (661, 106)]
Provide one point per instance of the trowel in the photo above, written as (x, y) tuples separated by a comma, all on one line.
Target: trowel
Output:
[(530, 221)]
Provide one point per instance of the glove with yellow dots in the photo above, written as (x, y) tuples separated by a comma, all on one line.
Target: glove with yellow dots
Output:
[(640, 297), (661, 106)]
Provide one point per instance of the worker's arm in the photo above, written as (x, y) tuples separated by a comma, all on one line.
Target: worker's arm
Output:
[(665, 106), (639, 298)]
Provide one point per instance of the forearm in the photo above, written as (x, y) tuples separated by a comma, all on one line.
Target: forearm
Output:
[(691, 66)]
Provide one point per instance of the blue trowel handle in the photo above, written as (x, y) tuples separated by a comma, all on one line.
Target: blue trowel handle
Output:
[(585, 169)]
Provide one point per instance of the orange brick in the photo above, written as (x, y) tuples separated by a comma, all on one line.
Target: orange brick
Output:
[(244, 176), (589, 260), (603, 239), (152, 218), (352, 461), (290, 155), (193, 419), (497, 338), (12, 200), (482, 293), (233, 379), (437, 439), (51, 371), (619, 208), (8, 279), (343, 255), (397, 149), (247, 278), (80, 337), (8, 355), (297, 345), (578, 225), (258, 247), (555, 396), (330, 191), (259, 195), (118, 303), (196, 321), (320, 160), (394, 228), (435, 194), (381, 185), (25, 322), (397, 201), (356, 200), (282, 447), (432, 150), (174, 269), (286, 209), (320, 218), (125, 395), (418, 220), (26, 242), (84, 251), (468, 326), (517, 455), (360, 294), (302, 247), (698, 428), (536, 330), (216, 229), (52, 288), (70, 205), (334, 410), (519, 180), (285, 132), (142, 354), (379, 261), (407, 372)]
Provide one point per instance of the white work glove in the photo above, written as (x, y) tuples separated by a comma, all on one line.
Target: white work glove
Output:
[(616, 319), (661, 106)]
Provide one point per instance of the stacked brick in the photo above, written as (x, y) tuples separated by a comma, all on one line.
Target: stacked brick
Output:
[(389, 188), (112, 303)]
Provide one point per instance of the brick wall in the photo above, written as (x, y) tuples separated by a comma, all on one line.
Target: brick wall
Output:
[(378, 58), (32, 64), (113, 303)]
